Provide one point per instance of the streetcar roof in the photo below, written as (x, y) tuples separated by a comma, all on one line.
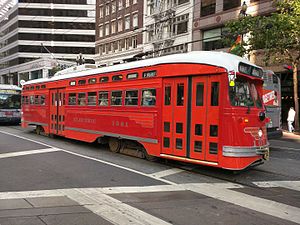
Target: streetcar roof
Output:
[(220, 59), (9, 87)]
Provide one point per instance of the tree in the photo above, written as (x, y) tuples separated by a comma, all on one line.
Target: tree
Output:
[(276, 35)]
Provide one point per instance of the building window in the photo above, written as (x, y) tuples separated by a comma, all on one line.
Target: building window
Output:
[(107, 10), (127, 43), (113, 27), (180, 24), (208, 7), (230, 4), (120, 25), (107, 29), (212, 39), (134, 41), (179, 2), (135, 20), (150, 33), (127, 22), (120, 45), (134, 2), (120, 4), (150, 7), (127, 3), (113, 6), (101, 12), (101, 31)]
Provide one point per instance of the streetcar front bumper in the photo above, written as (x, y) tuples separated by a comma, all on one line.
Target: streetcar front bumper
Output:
[(251, 151)]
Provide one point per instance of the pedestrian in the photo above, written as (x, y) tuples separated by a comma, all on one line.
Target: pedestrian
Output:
[(290, 119)]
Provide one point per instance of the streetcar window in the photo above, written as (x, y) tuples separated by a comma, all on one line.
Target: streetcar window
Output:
[(116, 98), (198, 129), (37, 87), (32, 88), (213, 130), (213, 148), (117, 77), (103, 98), (166, 126), (168, 95), (198, 146), (132, 76), (199, 94), (72, 99), (240, 94), (81, 82), (43, 86), (178, 143), (255, 96), (179, 128), (72, 83), (92, 80), (81, 99), (166, 142), (31, 100), (214, 94), (149, 97), (36, 100), (180, 94), (131, 97), (43, 99), (103, 79), (92, 97)]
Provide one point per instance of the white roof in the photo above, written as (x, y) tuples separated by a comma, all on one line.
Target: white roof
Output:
[(220, 59), (9, 87)]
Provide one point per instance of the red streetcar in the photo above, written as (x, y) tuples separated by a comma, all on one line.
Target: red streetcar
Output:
[(198, 107)]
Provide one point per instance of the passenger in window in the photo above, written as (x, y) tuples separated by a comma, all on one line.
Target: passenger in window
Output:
[(149, 97), (103, 102)]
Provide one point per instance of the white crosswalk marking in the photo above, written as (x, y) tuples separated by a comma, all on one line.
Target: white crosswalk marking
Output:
[(294, 185), (269, 207), (165, 173), (99, 202), (29, 152)]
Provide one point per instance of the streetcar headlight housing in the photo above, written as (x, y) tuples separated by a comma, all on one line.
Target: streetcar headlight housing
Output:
[(260, 133)]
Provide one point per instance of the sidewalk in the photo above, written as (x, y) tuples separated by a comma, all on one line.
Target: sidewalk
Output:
[(294, 137)]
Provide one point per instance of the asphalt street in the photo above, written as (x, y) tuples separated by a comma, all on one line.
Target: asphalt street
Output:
[(61, 181)]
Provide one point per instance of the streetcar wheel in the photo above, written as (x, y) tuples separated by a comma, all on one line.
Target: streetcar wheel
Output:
[(38, 130), (150, 158), (115, 144)]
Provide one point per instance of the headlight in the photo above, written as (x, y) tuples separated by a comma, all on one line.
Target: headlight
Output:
[(260, 133)]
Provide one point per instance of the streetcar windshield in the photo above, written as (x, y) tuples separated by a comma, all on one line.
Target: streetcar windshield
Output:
[(244, 93), (10, 101)]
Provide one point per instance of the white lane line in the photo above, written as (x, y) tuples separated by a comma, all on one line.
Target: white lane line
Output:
[(29, 152), (294, 185), (165, 173), (276, 209), (27, 139), (94, 159)]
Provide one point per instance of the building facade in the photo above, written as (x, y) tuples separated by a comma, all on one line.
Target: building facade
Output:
[(119, 26), (33, 29), (168, 25), (209, 21)]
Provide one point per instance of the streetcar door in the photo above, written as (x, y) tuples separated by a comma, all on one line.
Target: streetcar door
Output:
[(57, 111), (174, 126), (204, 125)]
